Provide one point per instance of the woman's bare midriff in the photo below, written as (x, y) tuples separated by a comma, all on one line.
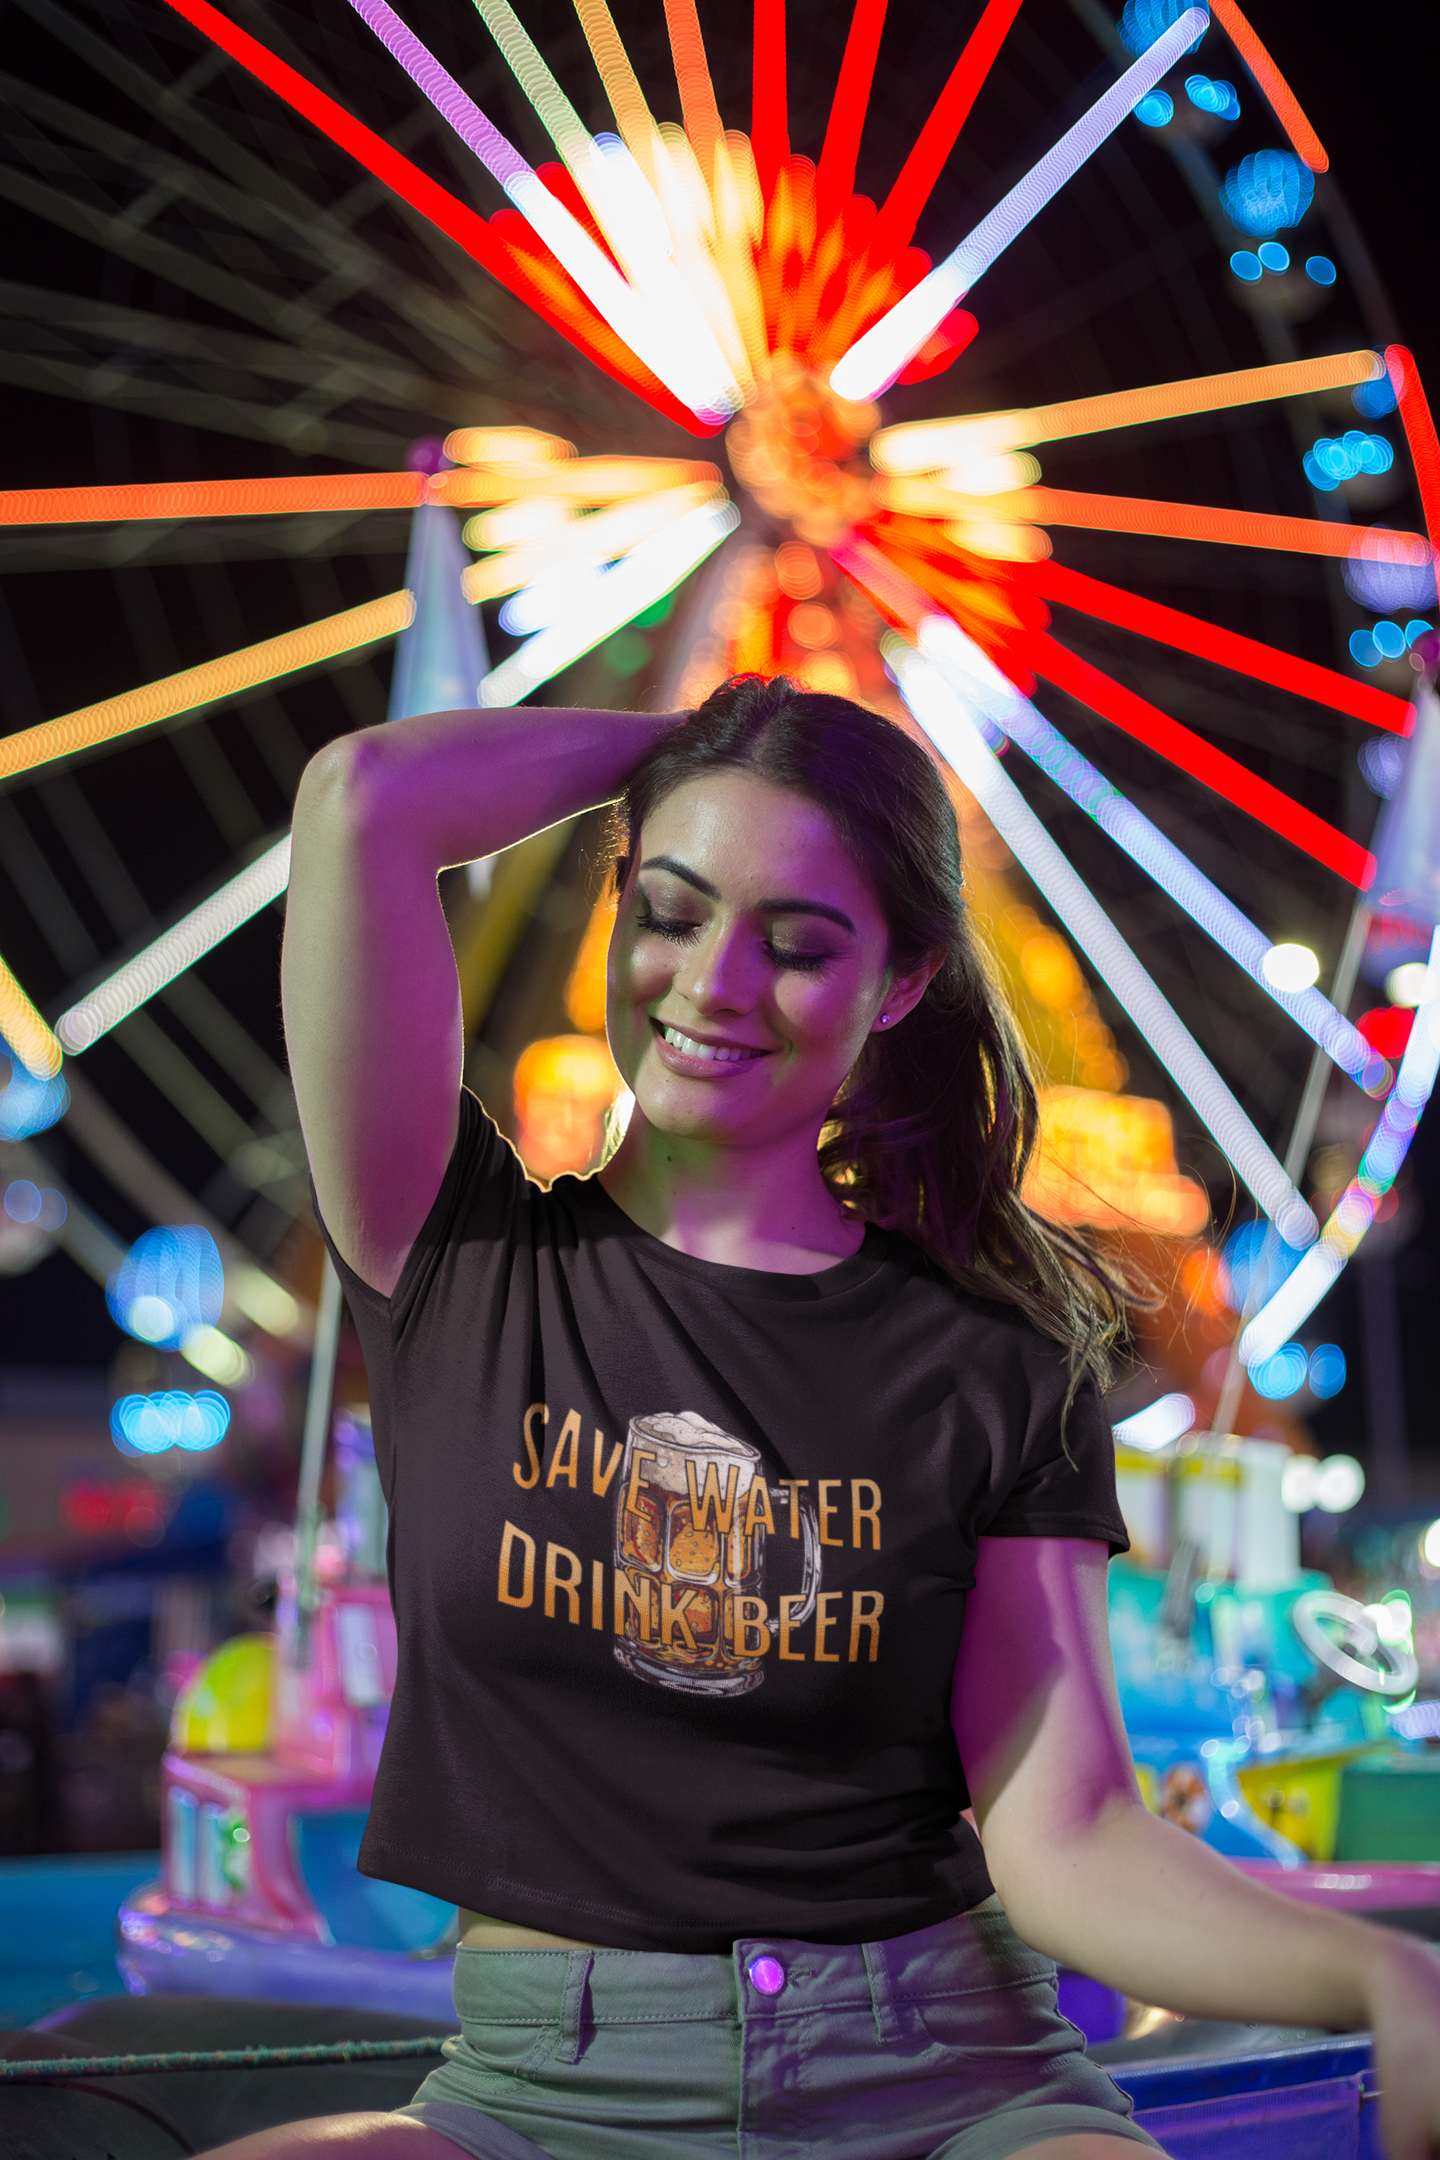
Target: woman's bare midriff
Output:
[(477, 1932)]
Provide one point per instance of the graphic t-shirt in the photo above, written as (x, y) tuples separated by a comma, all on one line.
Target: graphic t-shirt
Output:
[(679, 1556)]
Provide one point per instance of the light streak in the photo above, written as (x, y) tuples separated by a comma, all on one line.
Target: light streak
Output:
[(1272, 86), (1206, 641), (594, 539), (1298, 1296), (211, 498), (209, 684), (644, 328), (213, 1353), (622, 86), (692, 74), (25, 1031), (1140, 514), (619, 196), (769, 124), (885, 349), (942, 712), (1224, 775), (582, 480), (645, 575), (176, 949), (1419, 428), (507, 446), (571, 314), (901, 208), (985, 688), (835, 174), (1157, 1424), (924, 445)]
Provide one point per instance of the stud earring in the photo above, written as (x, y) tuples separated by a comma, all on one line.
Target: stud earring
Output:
[(884, 1019)]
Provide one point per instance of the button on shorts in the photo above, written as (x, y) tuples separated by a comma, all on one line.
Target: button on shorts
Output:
[(941, 2045)]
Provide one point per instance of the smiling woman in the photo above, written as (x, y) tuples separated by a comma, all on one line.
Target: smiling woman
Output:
[(751, 1497)]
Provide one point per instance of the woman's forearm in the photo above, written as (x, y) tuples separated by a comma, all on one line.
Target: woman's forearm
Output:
[(447, 787), (1148, 1909)]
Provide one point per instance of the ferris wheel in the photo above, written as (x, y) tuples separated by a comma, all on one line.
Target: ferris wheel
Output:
[(1118, 486)]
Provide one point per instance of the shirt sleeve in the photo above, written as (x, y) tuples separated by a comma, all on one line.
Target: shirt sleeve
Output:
[(1064, 1485)]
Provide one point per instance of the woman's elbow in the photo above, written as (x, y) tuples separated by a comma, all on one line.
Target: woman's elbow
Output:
[(342, 789)]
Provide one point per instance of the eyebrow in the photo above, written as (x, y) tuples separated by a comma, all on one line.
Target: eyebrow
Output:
[(792, 905)]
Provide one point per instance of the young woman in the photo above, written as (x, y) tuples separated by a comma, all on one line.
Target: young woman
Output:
[(751, 1499)]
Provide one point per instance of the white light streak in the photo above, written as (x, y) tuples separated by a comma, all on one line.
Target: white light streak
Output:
[(176, 949), (942, 712), (650, 570), (995, 698), (213, 1353), (1320, 1269), (874, 360), (1158, 1424)]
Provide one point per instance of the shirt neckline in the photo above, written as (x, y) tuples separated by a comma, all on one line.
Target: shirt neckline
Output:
[(768, 1283)]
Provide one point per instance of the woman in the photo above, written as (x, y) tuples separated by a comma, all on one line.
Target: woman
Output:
[(696, 1467)]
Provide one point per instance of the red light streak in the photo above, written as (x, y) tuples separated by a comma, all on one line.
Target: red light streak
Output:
[(1273, 86), (769, 123), (941, 347), (1246, 656), (555, 298), (911, 192), (1419, 427), (1211, 767), (835, 180)]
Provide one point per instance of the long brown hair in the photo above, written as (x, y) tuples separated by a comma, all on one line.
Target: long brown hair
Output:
[(933, 1130)]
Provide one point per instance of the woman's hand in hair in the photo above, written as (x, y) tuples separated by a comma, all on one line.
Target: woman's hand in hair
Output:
[(372, 1002)]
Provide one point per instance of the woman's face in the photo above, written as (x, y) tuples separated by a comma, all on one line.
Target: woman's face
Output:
[(748, 965)]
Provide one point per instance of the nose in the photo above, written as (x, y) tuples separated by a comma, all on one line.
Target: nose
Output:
[(717, 974)]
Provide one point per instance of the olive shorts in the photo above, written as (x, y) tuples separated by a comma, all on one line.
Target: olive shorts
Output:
[(941, 2045)]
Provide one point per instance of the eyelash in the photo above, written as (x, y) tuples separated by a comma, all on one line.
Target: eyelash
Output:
[(678, 932)]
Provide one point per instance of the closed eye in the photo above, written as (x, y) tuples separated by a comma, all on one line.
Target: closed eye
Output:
[(677, 928)]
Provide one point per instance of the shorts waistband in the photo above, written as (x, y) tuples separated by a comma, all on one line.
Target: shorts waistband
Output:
[(764, 1978)]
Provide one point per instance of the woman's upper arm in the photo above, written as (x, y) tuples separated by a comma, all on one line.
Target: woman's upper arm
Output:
[(372, 1010), (1035, 1710)]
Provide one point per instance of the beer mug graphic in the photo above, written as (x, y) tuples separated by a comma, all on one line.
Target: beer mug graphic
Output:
[(690, 1558)]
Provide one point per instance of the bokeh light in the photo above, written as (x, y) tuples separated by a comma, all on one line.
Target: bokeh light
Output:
[(28, 1104), (1290, 967), (149, 1424), (1327, 1370), (1274, 256), (1373, 399), (1320, 269), (1212, 97), (170, 1282), (1267, 191), (1404, 985), (1142, 21), (1382, 761), (1247, 266), (1283, 1374), (1332, 460), (1156, 110), (1257, 1261), (1383, 577)]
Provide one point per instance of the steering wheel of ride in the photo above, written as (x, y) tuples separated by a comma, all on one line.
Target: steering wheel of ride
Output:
[(1357, 1654)]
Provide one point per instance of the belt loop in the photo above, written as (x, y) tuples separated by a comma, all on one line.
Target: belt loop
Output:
[(882, 2002), (572, 2014)]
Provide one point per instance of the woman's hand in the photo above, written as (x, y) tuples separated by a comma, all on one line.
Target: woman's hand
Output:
[(1403, 2011), (1089, 1876)]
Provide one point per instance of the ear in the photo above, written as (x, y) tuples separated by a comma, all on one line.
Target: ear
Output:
[(905, 992)]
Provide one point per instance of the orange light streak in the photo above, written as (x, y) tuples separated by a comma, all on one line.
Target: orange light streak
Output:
[(207, 684), (1273, 87), (586, 480), (1419, 425), (1225, 776), (211, 498), (622, 85), (692, 73), (25, 1031), (1137, 514), (506, 446), (922, 445)]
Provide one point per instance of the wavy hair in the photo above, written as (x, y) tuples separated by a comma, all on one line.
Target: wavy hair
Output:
[(933, 1130)]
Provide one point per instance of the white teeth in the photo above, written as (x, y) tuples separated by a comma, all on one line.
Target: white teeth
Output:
[(715, 1053)]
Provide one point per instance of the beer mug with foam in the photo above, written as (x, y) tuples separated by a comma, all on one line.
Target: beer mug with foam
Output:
[(695, 1580)]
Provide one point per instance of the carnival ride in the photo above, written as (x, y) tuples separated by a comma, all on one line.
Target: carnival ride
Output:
[(757, 302)]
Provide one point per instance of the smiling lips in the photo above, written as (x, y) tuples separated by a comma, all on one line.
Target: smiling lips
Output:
[(686, 1046)]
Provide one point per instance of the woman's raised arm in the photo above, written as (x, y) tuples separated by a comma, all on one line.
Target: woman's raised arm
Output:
[(372, 1002)]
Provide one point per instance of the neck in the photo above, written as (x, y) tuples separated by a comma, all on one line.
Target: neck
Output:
[(759, 1207)]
